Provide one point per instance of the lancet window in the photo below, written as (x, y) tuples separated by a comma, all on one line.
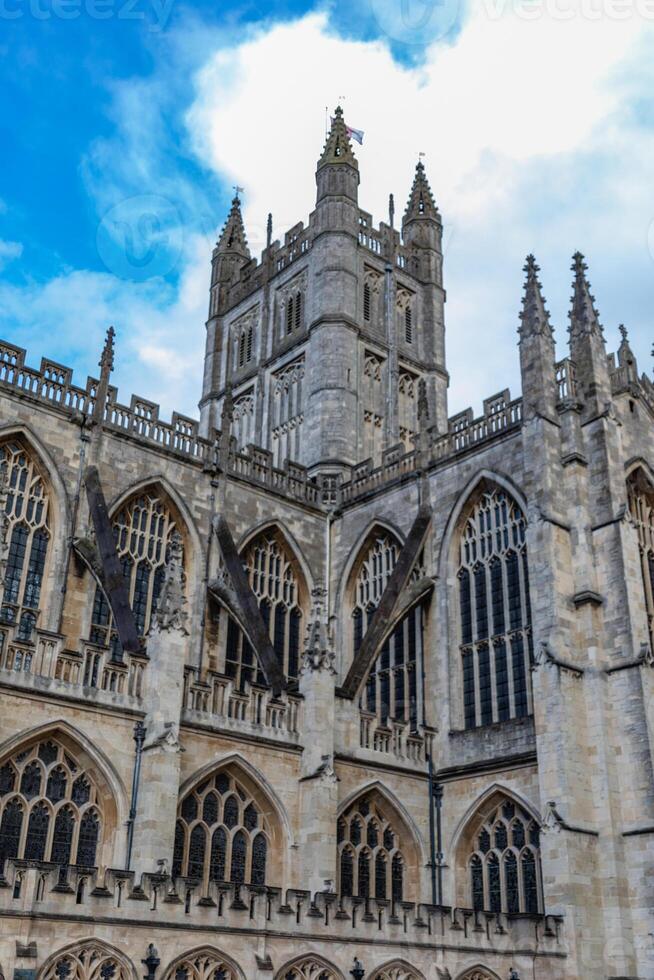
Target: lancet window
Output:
[(287, 412), (24, 536), (143, 528), (221, 833), (371, 862), (294, 311), (245, 344), (49, 807), (243, 419), (504, 868), (494, 612), (392, 690), (202, 965), (641, 508), (272, 573), (309, 969), (91, 961), (372, 390)]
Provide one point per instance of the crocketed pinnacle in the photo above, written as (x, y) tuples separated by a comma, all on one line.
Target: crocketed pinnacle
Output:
[(106, 363), (233, 237), (584, 318), (338, 146), (421, 202), (534, 317)]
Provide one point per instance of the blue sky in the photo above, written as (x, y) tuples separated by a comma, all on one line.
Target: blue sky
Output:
[(125, 124)]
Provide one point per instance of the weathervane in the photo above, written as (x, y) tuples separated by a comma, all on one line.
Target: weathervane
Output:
[(238, 190)]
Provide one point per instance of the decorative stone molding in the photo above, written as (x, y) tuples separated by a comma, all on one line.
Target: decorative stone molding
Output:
[(318, 652), (544, 656), (171, 613)]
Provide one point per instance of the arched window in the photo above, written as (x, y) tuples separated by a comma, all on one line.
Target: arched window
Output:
[(396, 971), (143, 528), (89, 961), (371, 862), (504, 868), (641, 507), (494, 612), (275, 580), (25, 534), (49, 807), (204, 964), (243, 419), (310, 968), (392, 689), (221, 833)]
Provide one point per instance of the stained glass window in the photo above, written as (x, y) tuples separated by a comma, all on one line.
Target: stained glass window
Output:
[(368, 843), (221, 811), (144, 528), (494, 611), (392, 690), (27, 532), (504, 869), (46, 772)]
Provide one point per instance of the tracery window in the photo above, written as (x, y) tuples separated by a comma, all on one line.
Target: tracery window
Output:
[(396, 971), (408, 408), (372, 391), (202, 965), (504, 869), (392, 690), (143, 528), (371, 863), (273, 577), (287, 412), (641, 507), (221, 833), (91, 961), (49, 807), (26, 535), (494, 612), (243, 419), (308, 969)]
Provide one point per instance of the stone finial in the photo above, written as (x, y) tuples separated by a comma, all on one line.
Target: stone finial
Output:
[(171, 613), (583, 316), (318, 653), (233, 237), (421, 202), (423, 404), (626, 358), (338, 146), (269, 230), (534, 317), (106, 363), (391, 210)]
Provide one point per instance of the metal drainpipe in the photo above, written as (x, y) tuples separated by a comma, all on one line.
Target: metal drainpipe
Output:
[(139, 738), (432, 836), (438, 799)]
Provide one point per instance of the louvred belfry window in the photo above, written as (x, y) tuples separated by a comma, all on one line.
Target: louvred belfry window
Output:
[(26, 533), (221, 834), (392, 690), (641, 508), (494, 611), (143, 529), (49, 807), (371, 862), (504, 868), (273, 577)]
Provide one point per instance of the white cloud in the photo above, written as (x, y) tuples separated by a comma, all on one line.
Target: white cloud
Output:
[(9, 250)]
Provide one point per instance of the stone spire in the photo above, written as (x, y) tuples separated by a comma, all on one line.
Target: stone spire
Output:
[(421, 202), (626, 357), (583, 316), (534, 317), (233, 237), (338, 146)]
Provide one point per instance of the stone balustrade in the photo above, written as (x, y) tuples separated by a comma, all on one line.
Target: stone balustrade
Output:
[(252, 710), (395, 739)]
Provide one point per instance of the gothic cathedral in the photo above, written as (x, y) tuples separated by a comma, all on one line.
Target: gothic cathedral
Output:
[(327, 684)]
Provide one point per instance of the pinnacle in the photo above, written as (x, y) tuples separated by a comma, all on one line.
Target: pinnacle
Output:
[(421, 202), (233, 237), (107, 356), (338, 146), (534, 317), (583, 314)]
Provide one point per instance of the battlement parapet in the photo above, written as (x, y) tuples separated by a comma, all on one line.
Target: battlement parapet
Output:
[(35, 888)]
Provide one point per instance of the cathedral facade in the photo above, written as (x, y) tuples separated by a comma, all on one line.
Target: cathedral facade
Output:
[(326, 683)]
